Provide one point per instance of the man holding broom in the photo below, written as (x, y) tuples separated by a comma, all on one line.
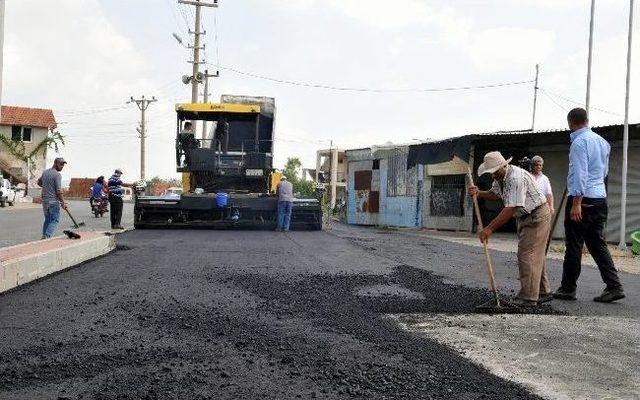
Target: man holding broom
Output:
[(524, 201)]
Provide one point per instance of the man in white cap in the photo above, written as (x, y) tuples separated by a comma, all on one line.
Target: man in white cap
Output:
[(523, 200)]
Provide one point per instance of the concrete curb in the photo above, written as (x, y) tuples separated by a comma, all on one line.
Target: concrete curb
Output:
[(21, 270)]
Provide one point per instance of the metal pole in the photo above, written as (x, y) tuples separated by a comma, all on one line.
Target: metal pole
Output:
[(1, 49), (625, 141), (205, 100), (143, 133), (196, 57), (588, 96), (142, 104), (535, 98)]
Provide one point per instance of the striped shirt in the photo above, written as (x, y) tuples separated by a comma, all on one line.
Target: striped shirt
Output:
[(115, 186), (520, 190)]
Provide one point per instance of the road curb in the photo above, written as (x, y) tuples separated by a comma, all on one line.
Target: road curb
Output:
[(21, 269)]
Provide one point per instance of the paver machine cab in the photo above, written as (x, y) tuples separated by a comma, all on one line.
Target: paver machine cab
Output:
[(228, 178)]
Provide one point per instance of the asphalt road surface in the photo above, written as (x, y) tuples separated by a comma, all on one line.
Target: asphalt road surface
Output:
[(21, 225), (234, 315), (197, 314)]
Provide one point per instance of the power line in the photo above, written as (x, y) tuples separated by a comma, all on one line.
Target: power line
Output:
[(553, 100), (579, 103), (373, 90)]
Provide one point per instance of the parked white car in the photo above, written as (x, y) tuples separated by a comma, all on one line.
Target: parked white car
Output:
[(173, 192), (7, 193)]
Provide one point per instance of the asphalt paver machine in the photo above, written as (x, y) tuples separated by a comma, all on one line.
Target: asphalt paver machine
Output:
[(228, 179)]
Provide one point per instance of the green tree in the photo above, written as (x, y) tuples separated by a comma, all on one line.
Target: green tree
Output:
[(292, 170)]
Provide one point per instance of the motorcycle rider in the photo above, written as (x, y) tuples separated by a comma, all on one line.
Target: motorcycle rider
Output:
[(97, 193)]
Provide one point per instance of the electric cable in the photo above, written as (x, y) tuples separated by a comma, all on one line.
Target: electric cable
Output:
[(373, 90)]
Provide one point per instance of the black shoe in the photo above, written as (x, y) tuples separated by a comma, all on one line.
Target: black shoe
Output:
[(610, 294), (545, 298), (564, 294)]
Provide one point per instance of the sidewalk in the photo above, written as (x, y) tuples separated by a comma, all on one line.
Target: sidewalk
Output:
[(26, 262), (624, 261)]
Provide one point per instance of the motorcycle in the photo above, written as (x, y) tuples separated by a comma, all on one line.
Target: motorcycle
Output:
[(99, 207)]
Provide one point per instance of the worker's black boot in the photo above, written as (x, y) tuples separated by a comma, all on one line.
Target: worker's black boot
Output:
[(610, 294), (564, 294)]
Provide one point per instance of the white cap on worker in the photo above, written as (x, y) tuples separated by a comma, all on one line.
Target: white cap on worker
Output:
[(283, 178), (493, 161)]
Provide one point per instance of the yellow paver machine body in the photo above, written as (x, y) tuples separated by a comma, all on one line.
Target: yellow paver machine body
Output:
[(227, 171)]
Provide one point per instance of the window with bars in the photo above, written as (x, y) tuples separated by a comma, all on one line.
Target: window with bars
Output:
[(447, 195)]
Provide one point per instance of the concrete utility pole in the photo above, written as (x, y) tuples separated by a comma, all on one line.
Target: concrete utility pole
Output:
[(625, 137), (142, 104), (196, 77), (205, 97), (2, 51), (588, 96), (535, 99)]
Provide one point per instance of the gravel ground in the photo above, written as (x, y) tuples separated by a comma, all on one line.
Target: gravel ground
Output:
[(238, 315)]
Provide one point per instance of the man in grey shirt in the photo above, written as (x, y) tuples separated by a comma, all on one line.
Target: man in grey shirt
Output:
[(285, 203), (52, 200)]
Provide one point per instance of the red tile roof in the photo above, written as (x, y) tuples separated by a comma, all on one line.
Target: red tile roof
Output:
[(24, 116)]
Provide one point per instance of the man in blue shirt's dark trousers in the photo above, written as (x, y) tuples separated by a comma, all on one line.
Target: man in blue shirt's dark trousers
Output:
[(586, 211)]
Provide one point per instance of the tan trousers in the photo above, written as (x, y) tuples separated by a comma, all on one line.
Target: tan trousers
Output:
[(533, 231)]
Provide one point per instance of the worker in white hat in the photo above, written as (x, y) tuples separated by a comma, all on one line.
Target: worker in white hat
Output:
[(523, 200)]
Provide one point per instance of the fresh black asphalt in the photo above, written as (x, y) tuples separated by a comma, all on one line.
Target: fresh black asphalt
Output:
[(239, 315)]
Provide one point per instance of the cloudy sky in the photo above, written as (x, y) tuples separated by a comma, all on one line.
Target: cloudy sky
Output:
[(85, 58)]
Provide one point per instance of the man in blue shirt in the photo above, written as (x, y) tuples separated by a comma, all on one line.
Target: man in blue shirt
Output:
[(586, 211)]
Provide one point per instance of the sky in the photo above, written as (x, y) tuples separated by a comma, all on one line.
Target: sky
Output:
[(85, 58)]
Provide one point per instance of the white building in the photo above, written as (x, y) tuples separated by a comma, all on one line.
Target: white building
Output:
[(27, 127)]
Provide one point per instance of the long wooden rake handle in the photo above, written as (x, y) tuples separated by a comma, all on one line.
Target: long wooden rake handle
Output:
[(487, 256)]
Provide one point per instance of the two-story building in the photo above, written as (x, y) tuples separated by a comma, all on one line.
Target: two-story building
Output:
[(31, 126)]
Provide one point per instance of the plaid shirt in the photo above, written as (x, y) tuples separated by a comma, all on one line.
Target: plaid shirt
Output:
[(519, 189)]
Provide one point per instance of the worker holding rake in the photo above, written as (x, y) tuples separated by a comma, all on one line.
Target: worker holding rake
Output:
[(524, 201)]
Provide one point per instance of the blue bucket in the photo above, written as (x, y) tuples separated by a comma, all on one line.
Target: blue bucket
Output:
[(221, 199)]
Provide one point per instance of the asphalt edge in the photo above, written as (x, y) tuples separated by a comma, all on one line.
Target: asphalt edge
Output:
[(33, 268)]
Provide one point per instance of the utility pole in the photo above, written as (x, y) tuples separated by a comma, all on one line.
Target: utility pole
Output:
[(142, 104), (588, 96), (195, 76), (535, 99), (625, 138), (206, 97)]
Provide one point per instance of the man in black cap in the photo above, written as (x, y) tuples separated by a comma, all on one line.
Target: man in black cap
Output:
[(52, 199)]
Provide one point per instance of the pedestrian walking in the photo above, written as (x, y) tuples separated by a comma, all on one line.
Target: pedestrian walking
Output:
[(523, 200), (586, 211), (52, 198), (285, 203), (115, 199)]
